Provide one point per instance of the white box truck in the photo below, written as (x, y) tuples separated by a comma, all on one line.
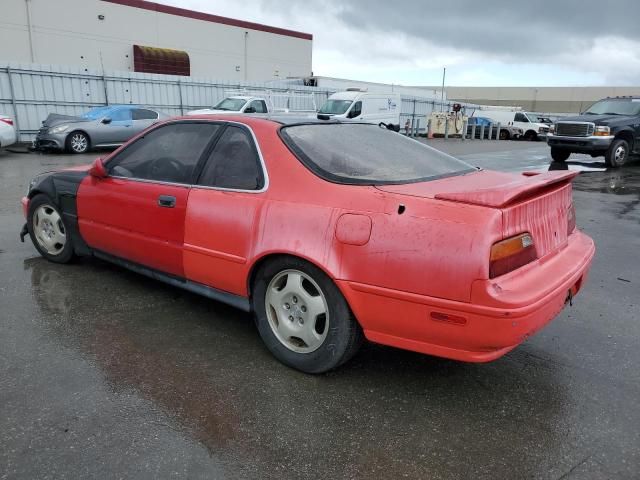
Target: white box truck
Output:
[(532, 127), (362, 106)]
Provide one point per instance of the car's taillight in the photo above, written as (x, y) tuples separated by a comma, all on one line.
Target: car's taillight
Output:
[(8, 121), (571, 220), (512, 253)]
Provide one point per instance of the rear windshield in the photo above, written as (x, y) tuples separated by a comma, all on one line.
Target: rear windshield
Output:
[(367, 154)]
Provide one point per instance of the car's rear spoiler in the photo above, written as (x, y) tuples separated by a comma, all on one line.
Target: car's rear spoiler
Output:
[(505, 194)]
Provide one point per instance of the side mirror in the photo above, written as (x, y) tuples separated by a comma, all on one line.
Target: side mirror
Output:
[(106, 120), (353, 114), (98, 169), (250, 110)]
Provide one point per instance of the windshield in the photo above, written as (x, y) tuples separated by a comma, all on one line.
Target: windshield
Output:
[(335, 107), (615, 107), (534, 118), (96, 113), (231, 104), (367, 154)]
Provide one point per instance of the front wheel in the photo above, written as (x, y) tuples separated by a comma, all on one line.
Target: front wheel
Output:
[(302, 317), (78, 142), (505, 135), (48, 231), (559, 154), (530, 136), (617, 154)]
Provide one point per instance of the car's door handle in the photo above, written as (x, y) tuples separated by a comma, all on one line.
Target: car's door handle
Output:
[(167, 201)]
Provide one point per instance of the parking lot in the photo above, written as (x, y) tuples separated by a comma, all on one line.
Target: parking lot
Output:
[(105, 373)]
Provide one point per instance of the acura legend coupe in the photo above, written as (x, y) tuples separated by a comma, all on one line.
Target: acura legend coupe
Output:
[(327, 232)]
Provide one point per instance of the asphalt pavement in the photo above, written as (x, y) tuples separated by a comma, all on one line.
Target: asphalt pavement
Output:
[(108, 374)]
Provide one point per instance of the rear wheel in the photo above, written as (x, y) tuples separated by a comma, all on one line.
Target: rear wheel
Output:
[(48, 231), (559, 154), (617, 154), (77, 142), (302, 317), (504, 134)]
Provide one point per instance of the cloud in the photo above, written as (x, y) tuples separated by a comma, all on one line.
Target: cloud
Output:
[(584, 41)]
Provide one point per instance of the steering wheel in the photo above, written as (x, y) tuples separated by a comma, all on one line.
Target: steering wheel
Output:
[(166, 168)]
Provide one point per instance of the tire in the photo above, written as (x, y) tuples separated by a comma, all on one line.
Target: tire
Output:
[(505, 135), (617, 153), (78, 142), (530, 136), (48, 232), (302, 317), (559, 154)]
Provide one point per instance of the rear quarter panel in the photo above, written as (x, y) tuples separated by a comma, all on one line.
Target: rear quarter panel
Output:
[(434, 248)]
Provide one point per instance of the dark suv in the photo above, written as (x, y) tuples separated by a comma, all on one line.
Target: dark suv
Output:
[(609, 128)]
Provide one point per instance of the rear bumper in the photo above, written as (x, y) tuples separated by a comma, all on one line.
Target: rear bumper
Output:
[(7, 137), (503, 312), (580, 144)]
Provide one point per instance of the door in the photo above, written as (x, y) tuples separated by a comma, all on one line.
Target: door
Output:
[(257, 106), (115, 128), (222, 212), (356, 110), (521, 120), (138, 211)]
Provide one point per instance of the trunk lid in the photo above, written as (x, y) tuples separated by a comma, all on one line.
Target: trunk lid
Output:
[(529, 202)]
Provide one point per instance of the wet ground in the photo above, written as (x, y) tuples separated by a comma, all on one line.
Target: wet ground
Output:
[(104, 373)]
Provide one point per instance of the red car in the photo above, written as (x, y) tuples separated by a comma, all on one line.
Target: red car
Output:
[(327, 232)]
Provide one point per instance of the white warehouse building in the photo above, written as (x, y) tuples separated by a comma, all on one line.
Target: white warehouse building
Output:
[(142, 36)]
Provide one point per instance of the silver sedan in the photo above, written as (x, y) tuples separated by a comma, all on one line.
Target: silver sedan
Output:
[(108, 126)]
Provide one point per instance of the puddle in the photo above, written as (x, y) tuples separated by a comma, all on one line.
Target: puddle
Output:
[(596, 177)]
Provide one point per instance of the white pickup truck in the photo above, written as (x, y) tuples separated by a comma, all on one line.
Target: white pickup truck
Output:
[(242, 102), (236, 104)]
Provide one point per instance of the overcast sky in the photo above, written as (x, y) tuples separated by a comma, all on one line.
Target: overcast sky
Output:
[(496, 42)]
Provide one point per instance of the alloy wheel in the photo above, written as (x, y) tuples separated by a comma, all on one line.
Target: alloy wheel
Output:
[(297, 311), (49, 230)]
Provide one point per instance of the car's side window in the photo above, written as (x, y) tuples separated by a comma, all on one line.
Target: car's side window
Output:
[(120, 115), (144, 114), (234, 163), (521, 117), (356, 110), (259, 106), (168, 153)]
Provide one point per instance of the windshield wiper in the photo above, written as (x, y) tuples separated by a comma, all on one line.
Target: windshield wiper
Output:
[(221, 108)]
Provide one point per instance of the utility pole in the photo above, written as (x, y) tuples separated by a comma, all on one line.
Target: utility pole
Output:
[(30, 28), (444, 73), (246, 38)]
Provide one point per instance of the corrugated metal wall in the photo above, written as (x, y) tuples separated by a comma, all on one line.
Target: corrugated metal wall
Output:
[(29, 92)]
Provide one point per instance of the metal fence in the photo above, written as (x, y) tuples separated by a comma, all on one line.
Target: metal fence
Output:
[(29, 92)]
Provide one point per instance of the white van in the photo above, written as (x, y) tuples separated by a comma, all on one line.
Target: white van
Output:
[(532, 127), (357, 105)]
